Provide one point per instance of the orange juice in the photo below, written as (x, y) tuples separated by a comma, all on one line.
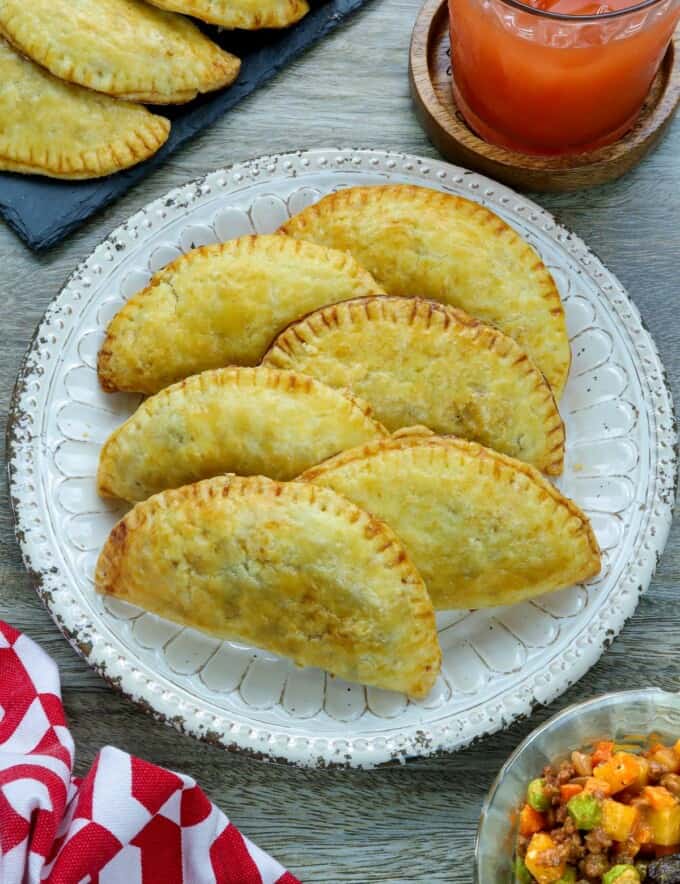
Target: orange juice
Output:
[(556, 76)]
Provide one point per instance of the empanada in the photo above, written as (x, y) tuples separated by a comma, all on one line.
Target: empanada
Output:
[(48, 127), (123, 48), (294, 569), (222, 305), (483, 529), (247, 14), (421, 362), (248, 421), (417, 241)]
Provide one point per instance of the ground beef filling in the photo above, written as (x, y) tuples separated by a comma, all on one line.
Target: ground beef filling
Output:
[(591, 853)]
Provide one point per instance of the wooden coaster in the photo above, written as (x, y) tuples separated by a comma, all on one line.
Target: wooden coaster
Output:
[(430, 75)]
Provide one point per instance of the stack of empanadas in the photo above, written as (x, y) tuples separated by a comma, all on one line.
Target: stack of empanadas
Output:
[(107, 50), (433, 494)]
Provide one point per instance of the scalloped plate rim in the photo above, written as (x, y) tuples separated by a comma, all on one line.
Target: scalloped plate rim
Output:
[(415, 741)]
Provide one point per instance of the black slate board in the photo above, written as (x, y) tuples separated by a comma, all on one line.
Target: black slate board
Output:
[(43, 211)]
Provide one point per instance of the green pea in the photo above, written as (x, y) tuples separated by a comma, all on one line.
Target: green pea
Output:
[(622, 874), (586, 811), (536, 796), (569, 876), (522, 874)]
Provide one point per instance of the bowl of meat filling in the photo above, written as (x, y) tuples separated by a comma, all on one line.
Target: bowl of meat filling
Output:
[(590, 797)]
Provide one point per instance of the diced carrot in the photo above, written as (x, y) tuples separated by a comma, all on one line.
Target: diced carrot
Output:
[(643, 833), (602, 752), (530, 821), (666, 851), (597, 787), (659, 797), (619, 772), (569, 790)]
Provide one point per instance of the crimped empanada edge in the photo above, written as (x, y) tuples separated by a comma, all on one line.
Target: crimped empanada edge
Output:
[(385, 543), (427, 311), (184, 88), (579, 521), (233, 18), (246, 377), (271, 245), (136, 147), (367, 195), (376, 531)]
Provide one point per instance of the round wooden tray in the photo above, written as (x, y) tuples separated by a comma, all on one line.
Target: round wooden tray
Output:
[(430, 75)]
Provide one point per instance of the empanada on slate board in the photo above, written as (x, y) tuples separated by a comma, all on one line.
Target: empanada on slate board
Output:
[(123, 48), (483, 529), (222, 305), (250, 15), (292, 568), (422, 242), (250, 421), (48, 127), (421, 362)]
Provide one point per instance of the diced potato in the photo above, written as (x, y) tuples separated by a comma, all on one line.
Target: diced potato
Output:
[(621, 771), (665, 825), (643, 774), (543, 859), (618, 820), (667, 758), (659, 797)]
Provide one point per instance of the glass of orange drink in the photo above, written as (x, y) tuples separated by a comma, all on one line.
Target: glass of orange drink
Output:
[(556, 76)]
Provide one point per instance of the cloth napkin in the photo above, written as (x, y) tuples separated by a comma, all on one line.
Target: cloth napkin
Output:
[(126, 822)]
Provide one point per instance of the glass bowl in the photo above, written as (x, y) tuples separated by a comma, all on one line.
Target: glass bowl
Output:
[(622, 716)]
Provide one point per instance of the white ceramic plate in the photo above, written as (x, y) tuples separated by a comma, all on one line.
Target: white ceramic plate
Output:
[(497, 663)]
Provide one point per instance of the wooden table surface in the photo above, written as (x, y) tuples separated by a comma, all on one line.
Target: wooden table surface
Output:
[(417, 822)]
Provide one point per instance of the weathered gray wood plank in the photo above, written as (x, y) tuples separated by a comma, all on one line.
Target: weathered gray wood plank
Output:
[(414, 823)]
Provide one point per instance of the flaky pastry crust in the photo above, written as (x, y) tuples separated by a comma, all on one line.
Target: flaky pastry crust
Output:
[(422, 242), (482, 528), (222, 305), (250, 421), (122, 48), (62, 131), (421, 362), (250, 15), (294, 569)]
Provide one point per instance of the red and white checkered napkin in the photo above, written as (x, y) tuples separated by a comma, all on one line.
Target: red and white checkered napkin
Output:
[(126, 821)]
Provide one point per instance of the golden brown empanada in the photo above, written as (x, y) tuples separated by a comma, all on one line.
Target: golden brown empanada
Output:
[(417, 241), (295, 569), (250, 421), (124, 48), (48, 127), (421, 362), (247, 14), (483, 529), (222, 305)]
